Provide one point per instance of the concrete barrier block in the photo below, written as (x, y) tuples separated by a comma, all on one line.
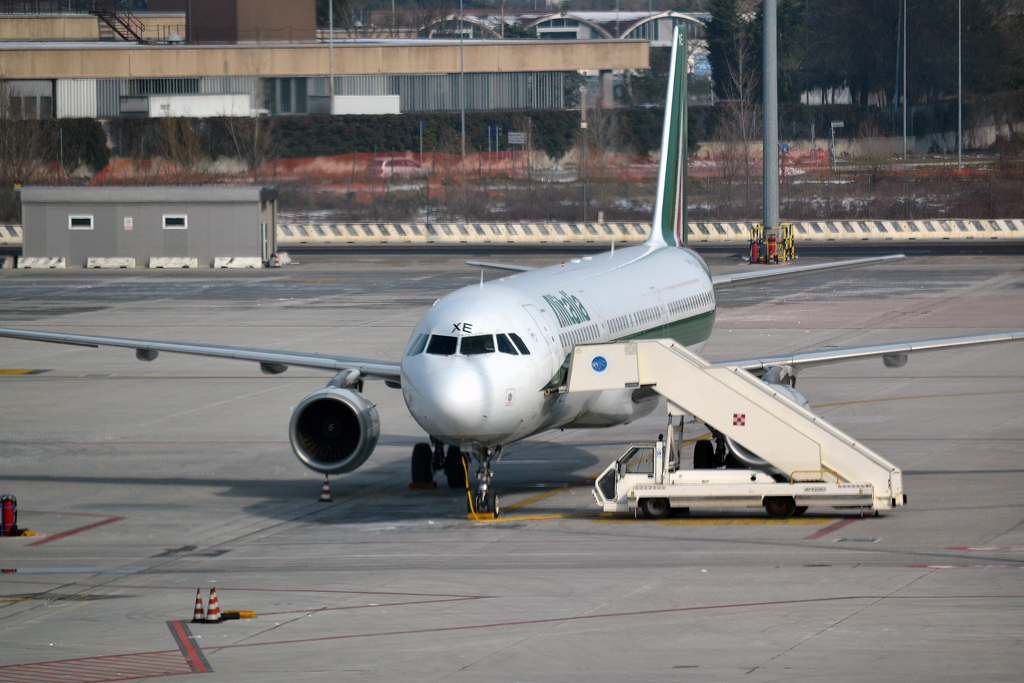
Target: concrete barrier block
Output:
[(173, 262), (6, 261), (42, 262), (110, 262), (238, 262)]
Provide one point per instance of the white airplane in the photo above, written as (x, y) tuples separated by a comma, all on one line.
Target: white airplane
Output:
[(484, 365)]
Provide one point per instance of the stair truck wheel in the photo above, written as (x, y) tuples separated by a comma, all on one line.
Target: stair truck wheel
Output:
[(655, 508), (779, 507), (799, 510), (703, 455)]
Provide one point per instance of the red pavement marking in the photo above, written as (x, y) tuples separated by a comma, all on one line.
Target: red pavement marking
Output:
[(194, 655), (79, 530), (619, 615), (983, 567), (257, 590), (831, 528), (98, 669)]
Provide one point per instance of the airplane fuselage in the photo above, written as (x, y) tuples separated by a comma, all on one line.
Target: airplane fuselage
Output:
[(483, 364)]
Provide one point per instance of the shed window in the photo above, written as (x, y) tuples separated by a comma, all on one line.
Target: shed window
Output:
[(79, 222), (175, 221)]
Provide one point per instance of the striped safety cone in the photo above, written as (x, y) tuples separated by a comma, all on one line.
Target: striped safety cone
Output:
[(197, 614), (325, 492), (213, 613)]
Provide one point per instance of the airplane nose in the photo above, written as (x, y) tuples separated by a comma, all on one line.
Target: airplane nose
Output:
[(457, 401)]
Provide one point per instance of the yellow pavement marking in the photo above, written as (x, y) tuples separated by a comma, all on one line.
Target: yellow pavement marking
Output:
[(908, 398), (699, 521), (552, 492), (746, 521), (16, 371), (538, 518)]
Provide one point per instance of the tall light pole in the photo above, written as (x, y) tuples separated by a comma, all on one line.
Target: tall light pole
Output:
[(905, 80), (959, 86), (330, 21), (770, 155), (462, 86)]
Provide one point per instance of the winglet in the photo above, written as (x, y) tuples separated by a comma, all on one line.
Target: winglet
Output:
[(670, 221)]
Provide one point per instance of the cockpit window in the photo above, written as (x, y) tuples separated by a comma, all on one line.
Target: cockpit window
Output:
[(505, 346), (519, 344), (441, 345), (416, 348), (474, 346)]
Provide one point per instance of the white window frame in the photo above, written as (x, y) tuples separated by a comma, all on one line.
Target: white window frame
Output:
[(175, 227), (92, 222)]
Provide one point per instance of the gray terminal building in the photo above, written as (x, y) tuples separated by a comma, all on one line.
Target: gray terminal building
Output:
[(150, 226)]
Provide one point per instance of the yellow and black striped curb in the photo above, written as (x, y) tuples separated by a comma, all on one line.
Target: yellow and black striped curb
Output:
[(292, 234), (297, 234), (10, 235)]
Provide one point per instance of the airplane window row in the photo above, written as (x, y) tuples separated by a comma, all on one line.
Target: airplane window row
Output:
[(443, 345), (579, 336), (691, 303)]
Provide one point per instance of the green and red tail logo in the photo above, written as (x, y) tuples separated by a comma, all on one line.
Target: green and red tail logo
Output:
[(670, 221)]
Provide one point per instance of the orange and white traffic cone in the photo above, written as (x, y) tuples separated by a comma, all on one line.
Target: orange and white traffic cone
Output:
[(213, 613), (325, 492), (197, 615)]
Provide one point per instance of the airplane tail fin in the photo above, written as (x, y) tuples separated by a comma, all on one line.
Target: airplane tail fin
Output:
[(669, 227)]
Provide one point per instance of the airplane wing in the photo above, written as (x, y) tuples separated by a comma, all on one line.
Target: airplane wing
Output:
[(768, 272), (893, 354), (271, 361), (499, 266)]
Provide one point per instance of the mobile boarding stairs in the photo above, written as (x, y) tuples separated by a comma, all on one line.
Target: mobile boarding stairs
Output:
[(801, 459)]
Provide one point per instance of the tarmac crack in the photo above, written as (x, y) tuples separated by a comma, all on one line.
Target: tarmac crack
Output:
[(840, 621)]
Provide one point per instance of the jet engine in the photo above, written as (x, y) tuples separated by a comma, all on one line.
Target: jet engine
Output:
[(782, 381), (334, 430)]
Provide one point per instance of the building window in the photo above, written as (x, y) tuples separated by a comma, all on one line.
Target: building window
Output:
[(173, 221), (79, 222)]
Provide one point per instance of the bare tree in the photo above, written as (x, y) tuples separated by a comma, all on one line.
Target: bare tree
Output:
[(739, 125), (22, 145), (181, 144), (253, 141)]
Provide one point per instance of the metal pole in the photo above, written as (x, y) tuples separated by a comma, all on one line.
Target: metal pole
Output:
[(330, 20), (770, 179), (462, 87), (904, 80), (959, 86), (583, 126)]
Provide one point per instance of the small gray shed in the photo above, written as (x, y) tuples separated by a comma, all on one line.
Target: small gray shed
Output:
[(156, 226)]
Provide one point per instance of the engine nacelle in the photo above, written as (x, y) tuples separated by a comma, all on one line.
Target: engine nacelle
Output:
[(792, 394), (334, 430)]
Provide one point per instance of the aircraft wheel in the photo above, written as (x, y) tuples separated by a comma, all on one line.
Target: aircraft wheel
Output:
[(422, 455), (780, 507), (455, 469), (799, 510), (703, 455), (655, 508), (491, 502)]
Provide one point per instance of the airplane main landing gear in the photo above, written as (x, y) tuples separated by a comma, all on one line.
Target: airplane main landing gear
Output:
[(485, 499)]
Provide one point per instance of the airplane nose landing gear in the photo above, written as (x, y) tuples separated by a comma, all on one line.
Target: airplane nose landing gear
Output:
[(485, 499)]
